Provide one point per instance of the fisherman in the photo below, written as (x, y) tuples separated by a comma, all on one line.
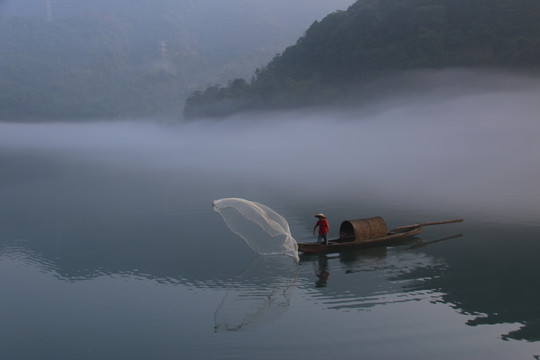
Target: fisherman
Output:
[(324, 226)]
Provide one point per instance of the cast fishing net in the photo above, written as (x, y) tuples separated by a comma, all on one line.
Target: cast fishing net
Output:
[(264, 230)]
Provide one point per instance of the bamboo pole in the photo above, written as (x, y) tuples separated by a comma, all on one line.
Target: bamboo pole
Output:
[(442, 222), (430, 223)]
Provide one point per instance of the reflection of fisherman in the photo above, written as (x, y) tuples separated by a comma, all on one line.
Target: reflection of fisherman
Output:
[(324, 226), (323, 273)]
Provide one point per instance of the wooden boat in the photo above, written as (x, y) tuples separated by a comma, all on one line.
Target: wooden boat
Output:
[(367, 232)]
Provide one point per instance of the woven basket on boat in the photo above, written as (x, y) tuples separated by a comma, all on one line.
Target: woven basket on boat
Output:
[(362, 229)]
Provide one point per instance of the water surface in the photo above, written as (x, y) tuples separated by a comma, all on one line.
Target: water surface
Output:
[(109, 248)]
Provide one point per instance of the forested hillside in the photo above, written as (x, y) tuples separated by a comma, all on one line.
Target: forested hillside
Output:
[(105, 58), (373, 38)]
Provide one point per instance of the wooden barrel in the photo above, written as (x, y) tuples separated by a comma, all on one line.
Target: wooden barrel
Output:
[(362, 229)]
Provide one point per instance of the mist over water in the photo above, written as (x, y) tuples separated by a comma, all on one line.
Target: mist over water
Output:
[(475, 152), (109, 226)]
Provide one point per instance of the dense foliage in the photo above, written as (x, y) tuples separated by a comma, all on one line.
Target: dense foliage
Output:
[(83, 67), (375, 37)]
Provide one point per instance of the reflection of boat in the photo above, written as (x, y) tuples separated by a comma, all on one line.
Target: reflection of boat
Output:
[(367, 232)]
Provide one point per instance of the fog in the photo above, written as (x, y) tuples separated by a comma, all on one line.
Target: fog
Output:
[(137, 58), (475, 152)]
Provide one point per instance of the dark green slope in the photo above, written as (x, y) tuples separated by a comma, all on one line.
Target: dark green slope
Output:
[(377, 37)]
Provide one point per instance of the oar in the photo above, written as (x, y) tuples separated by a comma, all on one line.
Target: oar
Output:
[(430, 223)]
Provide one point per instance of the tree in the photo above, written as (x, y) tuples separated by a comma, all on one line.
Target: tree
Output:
[(375, 37)]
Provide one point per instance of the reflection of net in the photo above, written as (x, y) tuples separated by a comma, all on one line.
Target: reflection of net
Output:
[(264, 230), (258, 296)]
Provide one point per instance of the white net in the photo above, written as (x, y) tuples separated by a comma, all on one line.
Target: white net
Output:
[(264, 230)]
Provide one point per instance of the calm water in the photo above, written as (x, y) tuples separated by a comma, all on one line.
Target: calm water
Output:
[(111, 251), (101, 263)]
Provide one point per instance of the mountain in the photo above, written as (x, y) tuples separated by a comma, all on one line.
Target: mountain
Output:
[(62, 59), (374, 38)]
